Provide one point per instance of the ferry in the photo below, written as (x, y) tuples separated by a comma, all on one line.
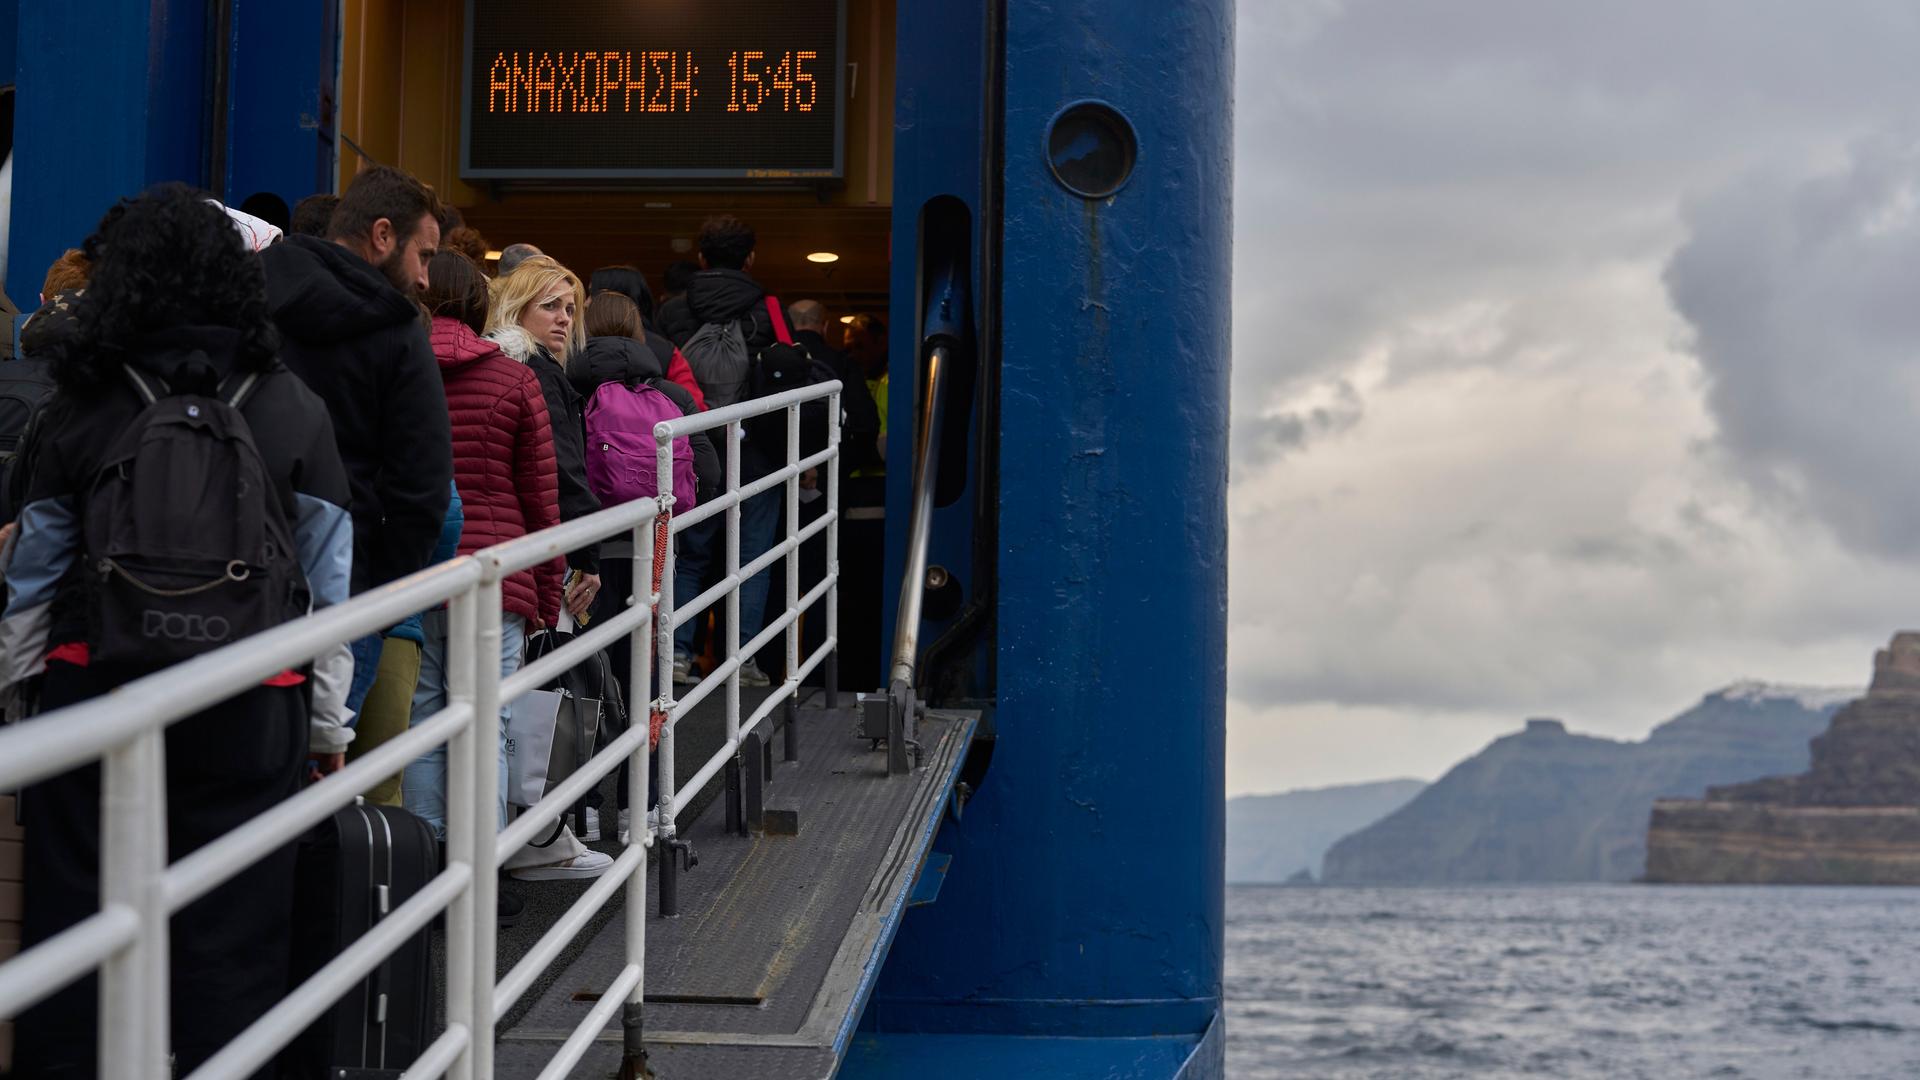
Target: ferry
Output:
[(975, 826)]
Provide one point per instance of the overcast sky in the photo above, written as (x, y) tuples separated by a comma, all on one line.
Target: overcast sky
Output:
[(1574, 367)]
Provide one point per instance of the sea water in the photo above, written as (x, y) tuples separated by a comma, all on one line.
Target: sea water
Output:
[(1573, 982)]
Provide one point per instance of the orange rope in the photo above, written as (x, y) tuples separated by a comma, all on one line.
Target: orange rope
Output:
[(661, 535)]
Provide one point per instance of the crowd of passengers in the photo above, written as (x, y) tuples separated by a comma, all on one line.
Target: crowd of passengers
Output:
[(406, 406)]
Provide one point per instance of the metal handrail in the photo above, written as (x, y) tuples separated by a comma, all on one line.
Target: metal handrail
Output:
[(128, 940), (726, 676), (944, 329), (926, 468)]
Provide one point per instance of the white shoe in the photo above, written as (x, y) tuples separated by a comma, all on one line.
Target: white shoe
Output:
[(682, 669), (592, 835), (582, 867), (626, 819), (751, 675)]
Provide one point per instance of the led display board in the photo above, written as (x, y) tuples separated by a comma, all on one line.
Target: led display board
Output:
[(653, 89)]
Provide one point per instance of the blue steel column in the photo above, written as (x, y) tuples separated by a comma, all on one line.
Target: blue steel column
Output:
[(280, 123), (1086, 890), (110, 100)]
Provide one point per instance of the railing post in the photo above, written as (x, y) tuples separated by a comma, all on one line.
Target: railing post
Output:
[(134, 987), (793, 553), (483, 766), (830, 667), (639, 706), (663, 656), (733, 514), (465, 837)]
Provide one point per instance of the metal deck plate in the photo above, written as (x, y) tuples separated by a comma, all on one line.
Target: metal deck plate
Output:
[(779, 937)]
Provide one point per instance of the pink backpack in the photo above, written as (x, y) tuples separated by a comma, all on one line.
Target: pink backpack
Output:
[(621, 455)]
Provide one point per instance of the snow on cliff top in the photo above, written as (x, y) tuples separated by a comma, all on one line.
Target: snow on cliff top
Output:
[(1809, 697)]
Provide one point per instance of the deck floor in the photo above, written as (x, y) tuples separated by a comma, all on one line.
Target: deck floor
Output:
[(763, 971)]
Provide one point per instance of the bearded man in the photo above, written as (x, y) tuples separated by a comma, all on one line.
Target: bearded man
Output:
[(351, 328)]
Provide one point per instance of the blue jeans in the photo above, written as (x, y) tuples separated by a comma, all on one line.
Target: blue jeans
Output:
[(366, 665), (706, 543), (424, 785)]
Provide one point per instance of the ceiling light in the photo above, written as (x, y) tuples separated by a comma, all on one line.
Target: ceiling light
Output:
[(847, 320), (823, 257), (493, 256)]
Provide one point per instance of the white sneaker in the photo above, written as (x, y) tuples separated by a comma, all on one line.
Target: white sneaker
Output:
[(626, 821), (751, 675), (682, 669), (592, 835), (582, 867)]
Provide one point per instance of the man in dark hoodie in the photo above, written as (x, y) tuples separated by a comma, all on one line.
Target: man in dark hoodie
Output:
[(351, 329), (862, 510), (723, 294)]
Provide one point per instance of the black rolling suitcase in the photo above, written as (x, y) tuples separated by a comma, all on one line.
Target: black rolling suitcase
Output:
[(352, 871)]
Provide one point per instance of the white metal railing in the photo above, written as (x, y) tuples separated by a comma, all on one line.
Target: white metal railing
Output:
[(127, 940), (727, 673)]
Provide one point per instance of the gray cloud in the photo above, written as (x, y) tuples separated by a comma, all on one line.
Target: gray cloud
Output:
[(1804, 295), (1502, 446), (1262, 439)]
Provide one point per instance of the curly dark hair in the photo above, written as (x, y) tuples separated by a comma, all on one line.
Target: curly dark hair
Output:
[(165, 258), (726, 242)]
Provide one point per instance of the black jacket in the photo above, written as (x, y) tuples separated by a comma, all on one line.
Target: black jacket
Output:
[(630, 362), (719, 296), (675, 321), (564, 409), (360, 344), (859, 416), (289, 426), (661, 346)]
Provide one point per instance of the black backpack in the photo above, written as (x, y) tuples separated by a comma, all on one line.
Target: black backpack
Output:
[(24, 386), (783, 365), (186, 545)]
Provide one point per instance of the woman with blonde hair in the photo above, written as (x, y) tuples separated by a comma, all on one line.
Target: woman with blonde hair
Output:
[(534, 316)]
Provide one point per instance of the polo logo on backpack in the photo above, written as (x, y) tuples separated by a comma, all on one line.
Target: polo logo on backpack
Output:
[(187, 547), (622, 457)]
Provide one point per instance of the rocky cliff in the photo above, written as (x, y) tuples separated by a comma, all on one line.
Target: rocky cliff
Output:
[(1853, 817), (1545, 804), (1279, 838)]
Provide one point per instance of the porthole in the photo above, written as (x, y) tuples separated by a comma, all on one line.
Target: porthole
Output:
[(1091, 149)]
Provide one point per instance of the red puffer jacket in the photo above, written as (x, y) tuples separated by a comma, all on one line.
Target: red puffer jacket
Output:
[(502, 460)]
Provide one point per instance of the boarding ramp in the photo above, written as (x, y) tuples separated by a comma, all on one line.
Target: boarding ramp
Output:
[(757, 963)]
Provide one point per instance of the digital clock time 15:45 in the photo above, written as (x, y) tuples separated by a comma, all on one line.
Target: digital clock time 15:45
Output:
[(646, 81)]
